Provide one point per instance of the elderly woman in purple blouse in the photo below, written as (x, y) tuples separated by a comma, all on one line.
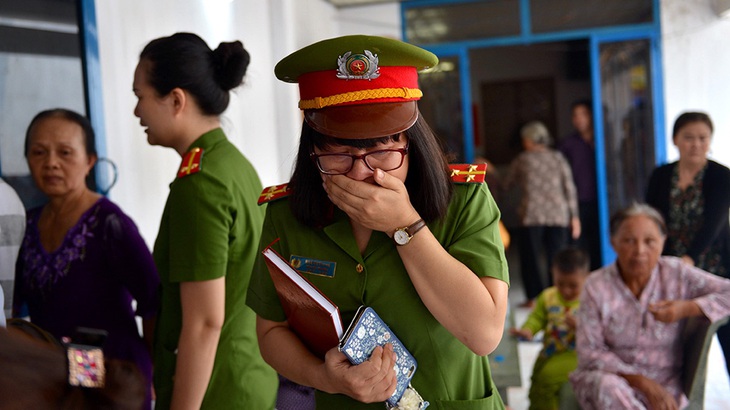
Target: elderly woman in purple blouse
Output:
[(628, 340), (82, 260)]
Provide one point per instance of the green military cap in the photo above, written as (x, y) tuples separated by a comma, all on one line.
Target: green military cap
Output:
[(357, 86)]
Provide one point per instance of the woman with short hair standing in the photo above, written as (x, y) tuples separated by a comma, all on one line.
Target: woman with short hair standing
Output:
[(548, 207)]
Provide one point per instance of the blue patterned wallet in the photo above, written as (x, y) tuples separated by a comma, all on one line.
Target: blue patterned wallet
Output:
[(366, 331)]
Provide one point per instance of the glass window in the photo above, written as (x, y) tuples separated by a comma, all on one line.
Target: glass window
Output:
[(628, 125), (462, 21), (441, 104), (560, 15), (40, 62)]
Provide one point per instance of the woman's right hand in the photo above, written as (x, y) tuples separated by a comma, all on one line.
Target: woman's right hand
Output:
[(369, 382), (383, 206), (669, 311), (659, 397)]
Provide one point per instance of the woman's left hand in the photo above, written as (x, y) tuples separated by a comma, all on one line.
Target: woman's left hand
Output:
[(383, 206), (669, 311)]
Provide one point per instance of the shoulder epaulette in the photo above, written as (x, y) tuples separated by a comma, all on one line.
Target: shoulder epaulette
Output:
[(468, 173), (192, 162), (273, 193)]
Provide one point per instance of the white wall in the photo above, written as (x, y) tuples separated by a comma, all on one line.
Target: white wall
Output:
[(696, 65), (144, 171), (263, 119)]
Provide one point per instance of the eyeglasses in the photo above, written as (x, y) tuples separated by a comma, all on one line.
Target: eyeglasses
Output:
[(339, 164)]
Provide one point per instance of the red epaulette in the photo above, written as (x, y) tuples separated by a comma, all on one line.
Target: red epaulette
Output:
[(468, 173), (192, 162), (273, 193)]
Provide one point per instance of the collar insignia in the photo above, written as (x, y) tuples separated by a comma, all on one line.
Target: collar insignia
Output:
[(192, 162), (273, 193), (468, 173)]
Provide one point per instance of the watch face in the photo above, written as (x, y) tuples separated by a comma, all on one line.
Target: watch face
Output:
[(401, 237)]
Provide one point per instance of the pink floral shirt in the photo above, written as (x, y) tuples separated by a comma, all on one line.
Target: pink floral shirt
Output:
[(617, 334)]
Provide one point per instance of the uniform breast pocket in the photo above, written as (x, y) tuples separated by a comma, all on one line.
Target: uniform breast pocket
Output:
[(489, 402)]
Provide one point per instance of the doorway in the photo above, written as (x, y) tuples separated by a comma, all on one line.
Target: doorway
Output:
[(509, 86)]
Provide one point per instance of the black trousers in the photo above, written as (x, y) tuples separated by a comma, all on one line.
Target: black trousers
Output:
[(537, 246), (590, 236)]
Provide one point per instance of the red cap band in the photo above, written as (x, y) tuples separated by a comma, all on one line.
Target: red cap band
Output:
[(395, 84)]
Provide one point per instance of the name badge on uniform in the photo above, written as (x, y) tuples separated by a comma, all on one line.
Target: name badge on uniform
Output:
[(313, 266)]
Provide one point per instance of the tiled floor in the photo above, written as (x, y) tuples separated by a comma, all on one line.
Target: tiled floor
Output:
[(717, 390)]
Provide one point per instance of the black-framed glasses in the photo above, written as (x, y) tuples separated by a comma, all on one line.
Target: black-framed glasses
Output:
[(339, 164)]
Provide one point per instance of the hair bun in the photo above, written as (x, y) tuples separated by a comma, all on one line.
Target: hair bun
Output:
[(231, 61)]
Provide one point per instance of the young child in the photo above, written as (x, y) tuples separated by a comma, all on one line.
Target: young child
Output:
[(554, 314)]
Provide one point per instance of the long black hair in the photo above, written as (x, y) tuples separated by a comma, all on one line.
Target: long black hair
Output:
[(184, 60), (428, 181)]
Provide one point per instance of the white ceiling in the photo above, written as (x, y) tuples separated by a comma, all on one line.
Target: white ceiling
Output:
[(347, 3)]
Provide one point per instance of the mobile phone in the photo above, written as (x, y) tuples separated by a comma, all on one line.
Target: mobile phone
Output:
[(86, 358), (366, 331)]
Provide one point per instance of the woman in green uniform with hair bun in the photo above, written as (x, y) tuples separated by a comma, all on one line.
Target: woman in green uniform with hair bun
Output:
[(206, 354), (374, 215)]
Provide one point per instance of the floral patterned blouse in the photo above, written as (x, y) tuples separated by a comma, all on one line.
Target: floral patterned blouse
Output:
[(686, 216), (44, 269)]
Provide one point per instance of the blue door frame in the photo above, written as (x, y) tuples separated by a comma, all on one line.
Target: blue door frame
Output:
[(91, 66), (595, 37)]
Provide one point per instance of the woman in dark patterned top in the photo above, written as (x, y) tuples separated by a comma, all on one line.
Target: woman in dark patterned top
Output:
[(82, 260), (693, 196)]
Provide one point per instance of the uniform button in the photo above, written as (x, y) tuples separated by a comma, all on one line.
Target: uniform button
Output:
[(359, 268)]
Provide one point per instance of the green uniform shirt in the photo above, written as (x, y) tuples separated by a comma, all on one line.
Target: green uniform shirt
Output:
[(449, 375), (210, 229)]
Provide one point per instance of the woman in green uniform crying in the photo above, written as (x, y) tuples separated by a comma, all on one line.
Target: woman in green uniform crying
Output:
[(205, 354), (374, 215)]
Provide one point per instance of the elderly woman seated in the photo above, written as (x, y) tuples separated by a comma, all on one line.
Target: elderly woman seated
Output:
[(631, 318)]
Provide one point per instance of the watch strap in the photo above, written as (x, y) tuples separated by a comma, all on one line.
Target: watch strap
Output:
[(415, 227)]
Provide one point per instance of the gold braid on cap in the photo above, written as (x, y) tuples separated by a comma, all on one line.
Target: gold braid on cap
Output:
[(322, 102)]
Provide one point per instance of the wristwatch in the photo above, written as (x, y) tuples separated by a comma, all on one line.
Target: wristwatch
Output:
[(403, 235)]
